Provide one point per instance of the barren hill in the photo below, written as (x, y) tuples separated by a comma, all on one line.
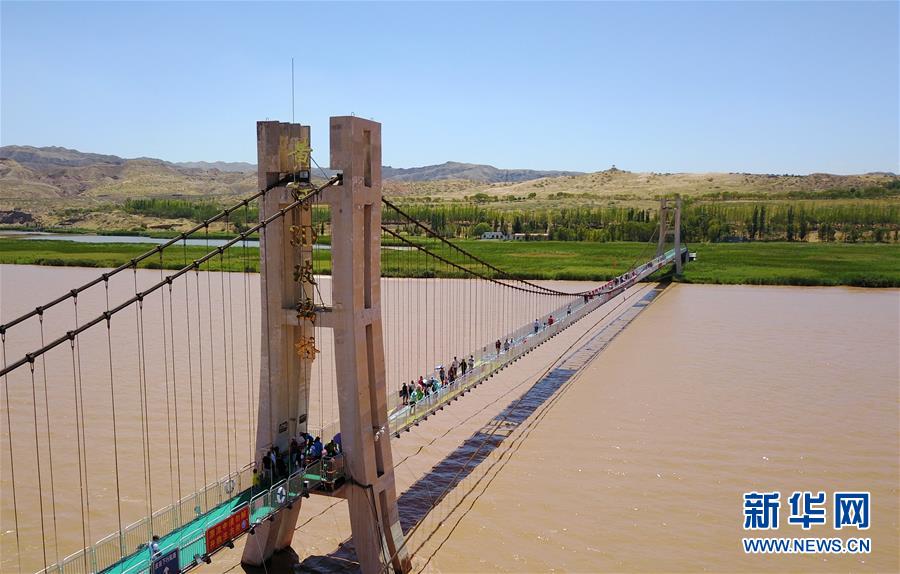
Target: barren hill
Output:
[(467, 171), (64, 186)]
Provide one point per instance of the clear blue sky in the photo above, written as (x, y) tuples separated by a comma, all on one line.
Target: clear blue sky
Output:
[(794, 87)]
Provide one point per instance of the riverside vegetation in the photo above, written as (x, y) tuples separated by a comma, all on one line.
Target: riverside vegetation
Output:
[(772, 263), (817, 229)]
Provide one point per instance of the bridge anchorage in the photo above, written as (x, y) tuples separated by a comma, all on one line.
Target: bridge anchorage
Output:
[(360, 329)]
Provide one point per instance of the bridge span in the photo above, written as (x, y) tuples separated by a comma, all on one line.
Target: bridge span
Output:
[(273, 457)]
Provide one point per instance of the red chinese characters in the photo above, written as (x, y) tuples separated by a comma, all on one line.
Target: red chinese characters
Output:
[(227, 529)]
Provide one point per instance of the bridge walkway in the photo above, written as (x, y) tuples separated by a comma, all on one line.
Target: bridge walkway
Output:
[(111, 555)]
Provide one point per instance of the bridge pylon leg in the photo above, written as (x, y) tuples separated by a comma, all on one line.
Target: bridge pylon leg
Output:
[(677, 232), (663, 231), (665, 209), (284, 374), (359, 349)]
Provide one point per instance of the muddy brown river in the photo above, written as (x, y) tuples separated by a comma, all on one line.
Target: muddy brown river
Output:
[(637, 463)]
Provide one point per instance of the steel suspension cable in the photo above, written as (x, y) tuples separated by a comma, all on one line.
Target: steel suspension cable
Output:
[(183, 236), (202, 389), (145, 417), (37, 453), (187, 320), (264, 277), (196, 264), (490, 435), (233, 379), (162, 301), (212, 365), (175, 392), (450, 245), (12, 458), (49, 440), (112, 393), (466, 270), (84, 537), (248, 344)]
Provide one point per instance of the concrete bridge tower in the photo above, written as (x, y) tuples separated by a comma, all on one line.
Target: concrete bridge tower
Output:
[(355, 317), (667, 211)]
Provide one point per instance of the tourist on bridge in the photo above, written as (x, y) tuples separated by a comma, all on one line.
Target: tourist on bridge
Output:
[(267, 467), (550, 321), (506, 345), (537, 326), (316, 450), (569, 310), (462, 367), (295, 452), (280, 464), (154, 547), (404, 393), (442, 374), (498, 344), (455, 364), (414, 398), (331, 449), (471, 362)]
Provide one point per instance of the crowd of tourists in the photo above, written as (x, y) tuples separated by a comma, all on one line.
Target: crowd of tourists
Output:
[(417, 390), (304, 450)]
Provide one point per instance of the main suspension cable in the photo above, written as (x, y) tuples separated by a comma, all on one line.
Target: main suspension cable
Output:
[(184, 235), (180, 272)]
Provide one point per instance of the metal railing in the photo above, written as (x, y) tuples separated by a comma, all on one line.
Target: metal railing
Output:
[(262, 504), (524, 339), (114, 548)]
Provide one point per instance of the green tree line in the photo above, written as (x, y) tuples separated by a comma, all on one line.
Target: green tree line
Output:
[(709, 221), (701, 221)]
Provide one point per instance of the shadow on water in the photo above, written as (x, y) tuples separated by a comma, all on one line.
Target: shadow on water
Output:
[(427, 492), (415, 503)]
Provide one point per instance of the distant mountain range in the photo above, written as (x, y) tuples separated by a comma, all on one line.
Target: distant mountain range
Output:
[(55, 187), (48, 158), (469, 171)]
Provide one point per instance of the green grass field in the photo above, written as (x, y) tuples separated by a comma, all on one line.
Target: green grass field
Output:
[(862, 265)]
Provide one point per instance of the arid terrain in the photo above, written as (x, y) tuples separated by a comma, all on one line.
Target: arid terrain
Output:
[(59, 188)]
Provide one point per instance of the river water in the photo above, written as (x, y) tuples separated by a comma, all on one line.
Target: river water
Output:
[(639, 463), (197, 412), (713, 392)]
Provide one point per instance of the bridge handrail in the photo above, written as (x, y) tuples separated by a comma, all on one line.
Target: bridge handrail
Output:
[(103, 554), (524, 340), (294, 483)]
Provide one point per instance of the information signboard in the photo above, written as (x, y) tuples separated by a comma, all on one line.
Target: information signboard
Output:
[(227, 529), (167, 564)]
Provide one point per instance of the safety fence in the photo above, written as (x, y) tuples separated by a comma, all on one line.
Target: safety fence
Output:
[(183, 525)]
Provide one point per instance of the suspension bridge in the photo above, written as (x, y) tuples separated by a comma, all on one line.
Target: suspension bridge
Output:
[(167, 407)]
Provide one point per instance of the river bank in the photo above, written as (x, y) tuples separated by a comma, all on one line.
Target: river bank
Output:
[(756, 263)]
